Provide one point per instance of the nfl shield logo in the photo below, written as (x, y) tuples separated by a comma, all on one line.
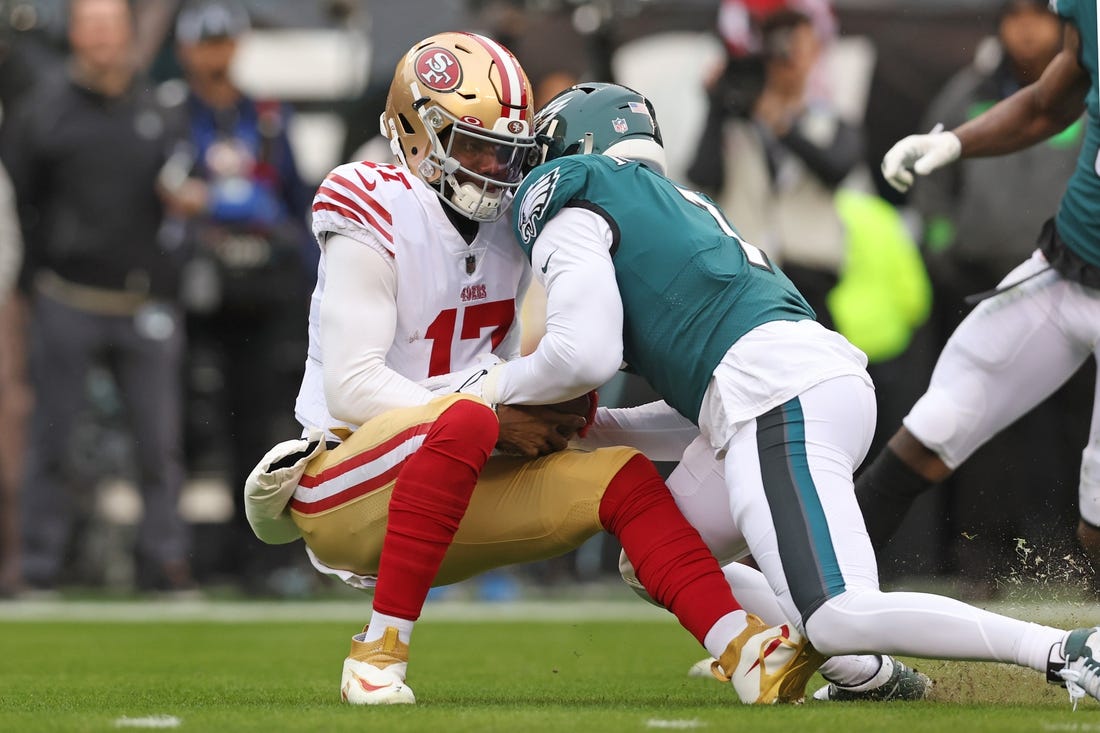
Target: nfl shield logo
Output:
[(620, 125)]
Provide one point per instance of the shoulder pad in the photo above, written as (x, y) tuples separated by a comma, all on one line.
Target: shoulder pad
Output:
[(544, 192), (360, 197)]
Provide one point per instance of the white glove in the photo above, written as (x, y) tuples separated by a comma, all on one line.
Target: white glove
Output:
[(468, 381), (920, 154), (270, 486)]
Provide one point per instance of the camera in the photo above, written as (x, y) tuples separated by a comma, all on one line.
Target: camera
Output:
[(736, 91)]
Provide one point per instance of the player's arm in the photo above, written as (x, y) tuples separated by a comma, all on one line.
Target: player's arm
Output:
[(655, 428), (1033, 113), (358, 323), (582, 348)]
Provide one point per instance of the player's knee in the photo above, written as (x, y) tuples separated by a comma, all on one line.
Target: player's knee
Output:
[(917, 457), (932, 426), (633, 488), (1089, 489), (630, 577), (469, 421), (833, 629), (1089, 537)]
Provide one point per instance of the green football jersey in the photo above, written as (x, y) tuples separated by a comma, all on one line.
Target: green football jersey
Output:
[(690, 285), (1078, 217)]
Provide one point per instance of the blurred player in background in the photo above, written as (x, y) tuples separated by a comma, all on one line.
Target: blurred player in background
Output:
[(979, 221), (1043, 321), (784, 408)]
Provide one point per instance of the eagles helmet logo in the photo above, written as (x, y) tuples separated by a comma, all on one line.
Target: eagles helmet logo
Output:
[(534, 204), (549, 112)]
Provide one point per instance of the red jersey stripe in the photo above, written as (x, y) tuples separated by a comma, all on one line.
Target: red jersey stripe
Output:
[(361, 192), (364, 215), (353, 492), (361, 459), (344, 212)]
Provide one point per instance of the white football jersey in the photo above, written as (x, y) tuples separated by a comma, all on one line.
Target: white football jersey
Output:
[(454, 300)]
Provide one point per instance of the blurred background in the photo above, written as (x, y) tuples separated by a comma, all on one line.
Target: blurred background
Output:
[(327, 64)]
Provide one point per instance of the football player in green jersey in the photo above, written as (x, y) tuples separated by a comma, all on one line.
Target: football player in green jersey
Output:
[(1024, 341), (638, 269)]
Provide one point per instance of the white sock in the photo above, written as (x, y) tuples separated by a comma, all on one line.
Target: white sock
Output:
[(724, 631), (380, 621), (1056, 658), (858, 672)]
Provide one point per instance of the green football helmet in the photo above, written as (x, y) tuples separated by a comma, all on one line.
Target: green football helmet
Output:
[(594, 117)]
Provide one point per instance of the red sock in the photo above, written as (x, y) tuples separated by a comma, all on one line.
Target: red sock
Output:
[(429, 500), (668, 555)]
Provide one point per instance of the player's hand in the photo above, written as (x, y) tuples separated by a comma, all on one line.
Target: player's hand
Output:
[(469, 380), (920, 154), (538, 430)]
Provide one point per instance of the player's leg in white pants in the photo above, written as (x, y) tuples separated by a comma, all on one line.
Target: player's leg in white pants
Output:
[(699, 487), (1012, 352), (1007, 356), (789, 476)]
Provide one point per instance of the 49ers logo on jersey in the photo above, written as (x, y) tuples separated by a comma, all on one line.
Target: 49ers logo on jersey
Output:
[(473, 292), (438, 69)]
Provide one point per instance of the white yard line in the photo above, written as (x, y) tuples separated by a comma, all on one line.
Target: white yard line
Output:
[(675, 724), (152, 721)]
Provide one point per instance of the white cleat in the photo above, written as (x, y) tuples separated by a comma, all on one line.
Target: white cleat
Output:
[(702, 668), (1082, 671), (768, 664), (374, 672), (365, 684)]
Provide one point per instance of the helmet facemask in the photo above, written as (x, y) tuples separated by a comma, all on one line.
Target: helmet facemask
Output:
[(473, 170), (458, 116)]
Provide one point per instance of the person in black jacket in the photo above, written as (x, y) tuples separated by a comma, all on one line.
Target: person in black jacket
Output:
[(85, 153)]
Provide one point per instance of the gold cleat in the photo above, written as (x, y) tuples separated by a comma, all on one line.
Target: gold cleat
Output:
[(768, 664)]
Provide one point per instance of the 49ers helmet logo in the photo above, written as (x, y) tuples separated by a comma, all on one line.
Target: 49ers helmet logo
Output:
[(438, 69)]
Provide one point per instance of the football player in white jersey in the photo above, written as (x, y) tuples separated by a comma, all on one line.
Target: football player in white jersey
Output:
[(393, 487)]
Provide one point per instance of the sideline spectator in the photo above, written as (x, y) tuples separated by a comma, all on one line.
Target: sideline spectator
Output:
[(781, 157), (84, 155), (248, 208)]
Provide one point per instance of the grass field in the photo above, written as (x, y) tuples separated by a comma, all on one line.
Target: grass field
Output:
[(541, 667)]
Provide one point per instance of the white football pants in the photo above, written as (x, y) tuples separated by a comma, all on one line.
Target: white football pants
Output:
[(784, 490), (1008, 355)]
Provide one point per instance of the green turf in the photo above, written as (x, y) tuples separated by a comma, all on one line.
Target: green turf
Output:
[(501, 676)]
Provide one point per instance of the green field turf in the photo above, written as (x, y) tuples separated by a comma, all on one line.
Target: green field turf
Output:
[(574, 675)]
